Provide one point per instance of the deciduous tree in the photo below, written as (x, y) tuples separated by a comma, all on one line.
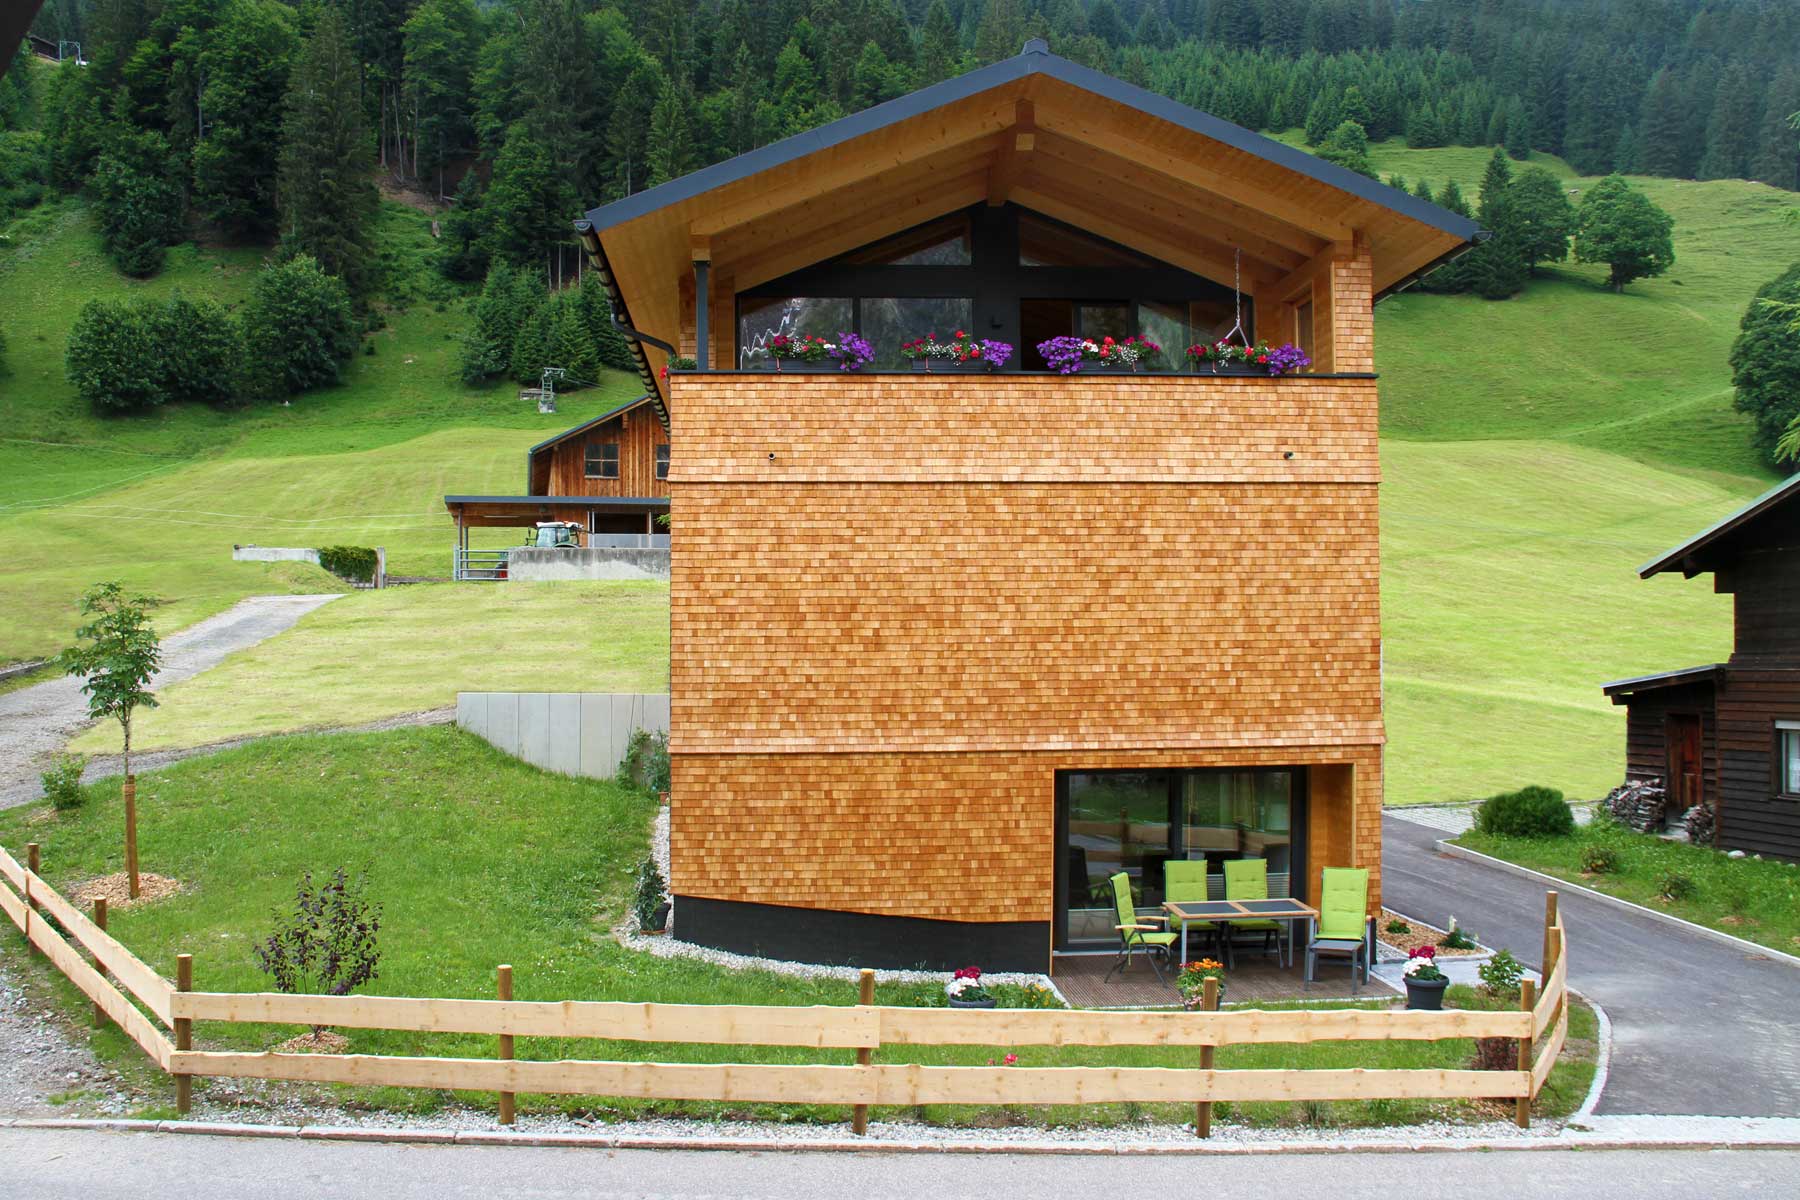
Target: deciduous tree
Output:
[(1619, 226)]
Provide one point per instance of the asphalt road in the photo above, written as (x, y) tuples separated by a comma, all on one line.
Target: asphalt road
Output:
[(37, 721), (1699, 1027), (47, 1164)]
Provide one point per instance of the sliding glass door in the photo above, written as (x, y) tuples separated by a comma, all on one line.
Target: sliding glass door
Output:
[(1135, 821)]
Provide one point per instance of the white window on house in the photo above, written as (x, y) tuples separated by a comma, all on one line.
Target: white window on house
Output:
[(602, 460), (662, 461), (1787, 758)]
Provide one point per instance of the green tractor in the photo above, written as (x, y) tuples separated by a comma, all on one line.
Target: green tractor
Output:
[(555, 535)]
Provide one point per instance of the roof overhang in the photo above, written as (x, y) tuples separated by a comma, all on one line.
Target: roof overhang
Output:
[(1705, 550), (508, 511), (1622, 690), (1137, 168)]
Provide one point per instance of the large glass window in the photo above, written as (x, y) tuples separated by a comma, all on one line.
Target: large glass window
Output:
[(946, 243), (888, 322), (1118, 821), (1166, 325), (1045, 243), (759, 320)]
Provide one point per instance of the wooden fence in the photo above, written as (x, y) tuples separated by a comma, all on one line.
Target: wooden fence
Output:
[(1539, 1027)]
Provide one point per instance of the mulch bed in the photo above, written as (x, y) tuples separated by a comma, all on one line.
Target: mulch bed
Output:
[(323, 1041), (116, 890), (1421, 935)]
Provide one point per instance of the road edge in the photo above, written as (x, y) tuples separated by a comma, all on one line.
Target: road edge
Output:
[(1446, 846)]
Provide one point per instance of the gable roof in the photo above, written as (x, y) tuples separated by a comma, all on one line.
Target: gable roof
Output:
[(550, 443), (1719, 541), (1079, 146)]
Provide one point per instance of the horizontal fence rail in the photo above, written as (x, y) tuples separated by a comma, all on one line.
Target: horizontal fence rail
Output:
[(1539, 1027)]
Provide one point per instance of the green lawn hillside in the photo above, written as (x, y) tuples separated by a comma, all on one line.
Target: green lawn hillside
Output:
[(1536, 451)]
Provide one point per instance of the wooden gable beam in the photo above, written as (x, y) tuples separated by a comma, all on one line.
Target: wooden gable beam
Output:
[(1016, 147), (1100, 127), (878, 153), (1174, 244), (1300, 279), (914, 207), (1254, 227)]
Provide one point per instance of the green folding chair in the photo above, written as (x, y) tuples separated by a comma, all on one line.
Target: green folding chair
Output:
[(1186, 880), (1248, 879), (1137, 933), (1344, 928)]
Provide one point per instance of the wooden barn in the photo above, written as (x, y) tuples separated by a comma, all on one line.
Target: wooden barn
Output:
[(949, 650), (1728, 734), (609, 475)]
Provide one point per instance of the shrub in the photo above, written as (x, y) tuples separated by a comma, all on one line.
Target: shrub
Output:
[(649, 896), (1458, 938), (298, 329), (348, 562), (128, 357), (139, 201), (1675, 886), (1501, 975), (1600, 860), (1531, 812), (327, 944), (1398, 927), (646, 761), (62, 782)]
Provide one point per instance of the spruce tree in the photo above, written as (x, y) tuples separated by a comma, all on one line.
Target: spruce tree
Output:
[(528, 205), (1731, 129), (531, 342), (1496, 269), (1618, 225), (1348, 146), (327, 203), (1540, 219), (441, 40), (1663, 121), (244, 62), (939, 47), (671, 143), (1777, 158)]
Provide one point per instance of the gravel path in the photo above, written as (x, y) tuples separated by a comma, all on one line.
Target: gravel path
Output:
[(37, 721), (39, 1059)]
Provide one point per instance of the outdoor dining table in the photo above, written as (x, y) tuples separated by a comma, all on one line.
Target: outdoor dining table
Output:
[(1223, 912)]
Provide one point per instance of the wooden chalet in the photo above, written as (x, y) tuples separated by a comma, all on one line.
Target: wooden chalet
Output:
[(1728, 734), (949, 650), (609, 475)]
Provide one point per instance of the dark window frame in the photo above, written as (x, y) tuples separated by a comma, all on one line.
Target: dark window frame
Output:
[(1783, 730), (603, 454), (662, 461)]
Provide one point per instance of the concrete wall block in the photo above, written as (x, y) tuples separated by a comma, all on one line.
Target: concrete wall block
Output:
[(503, 721), (534, 728), (564, 752), (574, 733)]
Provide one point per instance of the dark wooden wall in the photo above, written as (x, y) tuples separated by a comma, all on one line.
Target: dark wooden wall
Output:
[(1751, 816), (1646, 740), (561, 471), (1767, 606)]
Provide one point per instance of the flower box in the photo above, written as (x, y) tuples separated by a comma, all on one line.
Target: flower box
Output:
[(940, 366), (1228, 368)]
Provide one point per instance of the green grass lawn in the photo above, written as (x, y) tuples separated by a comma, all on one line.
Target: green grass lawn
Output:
[(1754, 899), (478, 859), (375, 654)]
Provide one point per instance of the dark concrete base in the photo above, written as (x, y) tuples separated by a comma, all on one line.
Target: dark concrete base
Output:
[(850, 939)]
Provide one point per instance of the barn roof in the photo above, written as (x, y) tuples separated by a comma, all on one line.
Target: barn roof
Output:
[(1770, 516), (1082, 147)]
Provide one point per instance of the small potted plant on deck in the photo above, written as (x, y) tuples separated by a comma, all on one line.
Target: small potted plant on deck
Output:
[(1192, 981), (1230, 358), (1425, 982), (966, 991), (959, 352), (1070, 355)]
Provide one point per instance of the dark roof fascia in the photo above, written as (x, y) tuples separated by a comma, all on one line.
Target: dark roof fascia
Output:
[(1643, 683), (1675, 559), (632, 502), (566, 434), (1036, 60)]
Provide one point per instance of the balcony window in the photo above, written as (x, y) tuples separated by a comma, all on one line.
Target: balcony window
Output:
[(888, 321), (759, 320), (602, 460)]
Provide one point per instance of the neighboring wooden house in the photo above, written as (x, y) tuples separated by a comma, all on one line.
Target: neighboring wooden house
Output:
[(1728, 734), (609, 475), (949, 650)]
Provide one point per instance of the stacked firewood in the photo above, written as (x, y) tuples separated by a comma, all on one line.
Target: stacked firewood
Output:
[(1642, 804)]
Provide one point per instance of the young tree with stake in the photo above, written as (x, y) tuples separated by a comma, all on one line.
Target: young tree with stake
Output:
[(117, 655)]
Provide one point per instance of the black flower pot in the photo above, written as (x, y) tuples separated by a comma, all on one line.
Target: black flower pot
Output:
[(988, 1002), (659, 920), (1229, 368), (1425, 994), (949, 366), (1094, 368)]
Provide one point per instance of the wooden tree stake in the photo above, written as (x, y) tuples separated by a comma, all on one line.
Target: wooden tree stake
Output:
[(184, 1033), (1209, 1000), (32, 911), (503, 989), (865, 996), (1522, 1112), (131, 855), (99, 920)]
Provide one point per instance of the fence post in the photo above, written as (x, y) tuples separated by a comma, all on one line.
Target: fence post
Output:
[(31, 906), (1549, 958), (1527, 1000), (503, 988), (184, 1033), (865, 996), (1209, 1000), (100, 922)]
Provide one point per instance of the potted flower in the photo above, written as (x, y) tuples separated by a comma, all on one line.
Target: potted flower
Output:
[(1230, 358), (959, 352), (850, 352), (1425, 983), (1192, 981), (787, 350), (1068, 355), (965, 990)]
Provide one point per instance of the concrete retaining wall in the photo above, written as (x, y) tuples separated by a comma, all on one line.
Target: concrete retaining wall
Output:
[(593, 562), (573, 733), (274, 554)]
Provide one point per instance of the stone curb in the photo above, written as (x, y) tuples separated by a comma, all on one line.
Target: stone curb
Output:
[(1446, 846), (1563, 1140)]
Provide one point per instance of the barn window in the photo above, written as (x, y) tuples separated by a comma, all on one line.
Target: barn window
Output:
[(603, 460), (1787, 757), (662, 461)]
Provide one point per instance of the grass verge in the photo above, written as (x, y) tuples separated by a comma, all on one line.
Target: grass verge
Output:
[(478, 859), (1755, 899)]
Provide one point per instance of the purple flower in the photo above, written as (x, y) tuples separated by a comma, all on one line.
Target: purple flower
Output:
[(851, 352), (1064, 354), (1287, 359), (995, 354)]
